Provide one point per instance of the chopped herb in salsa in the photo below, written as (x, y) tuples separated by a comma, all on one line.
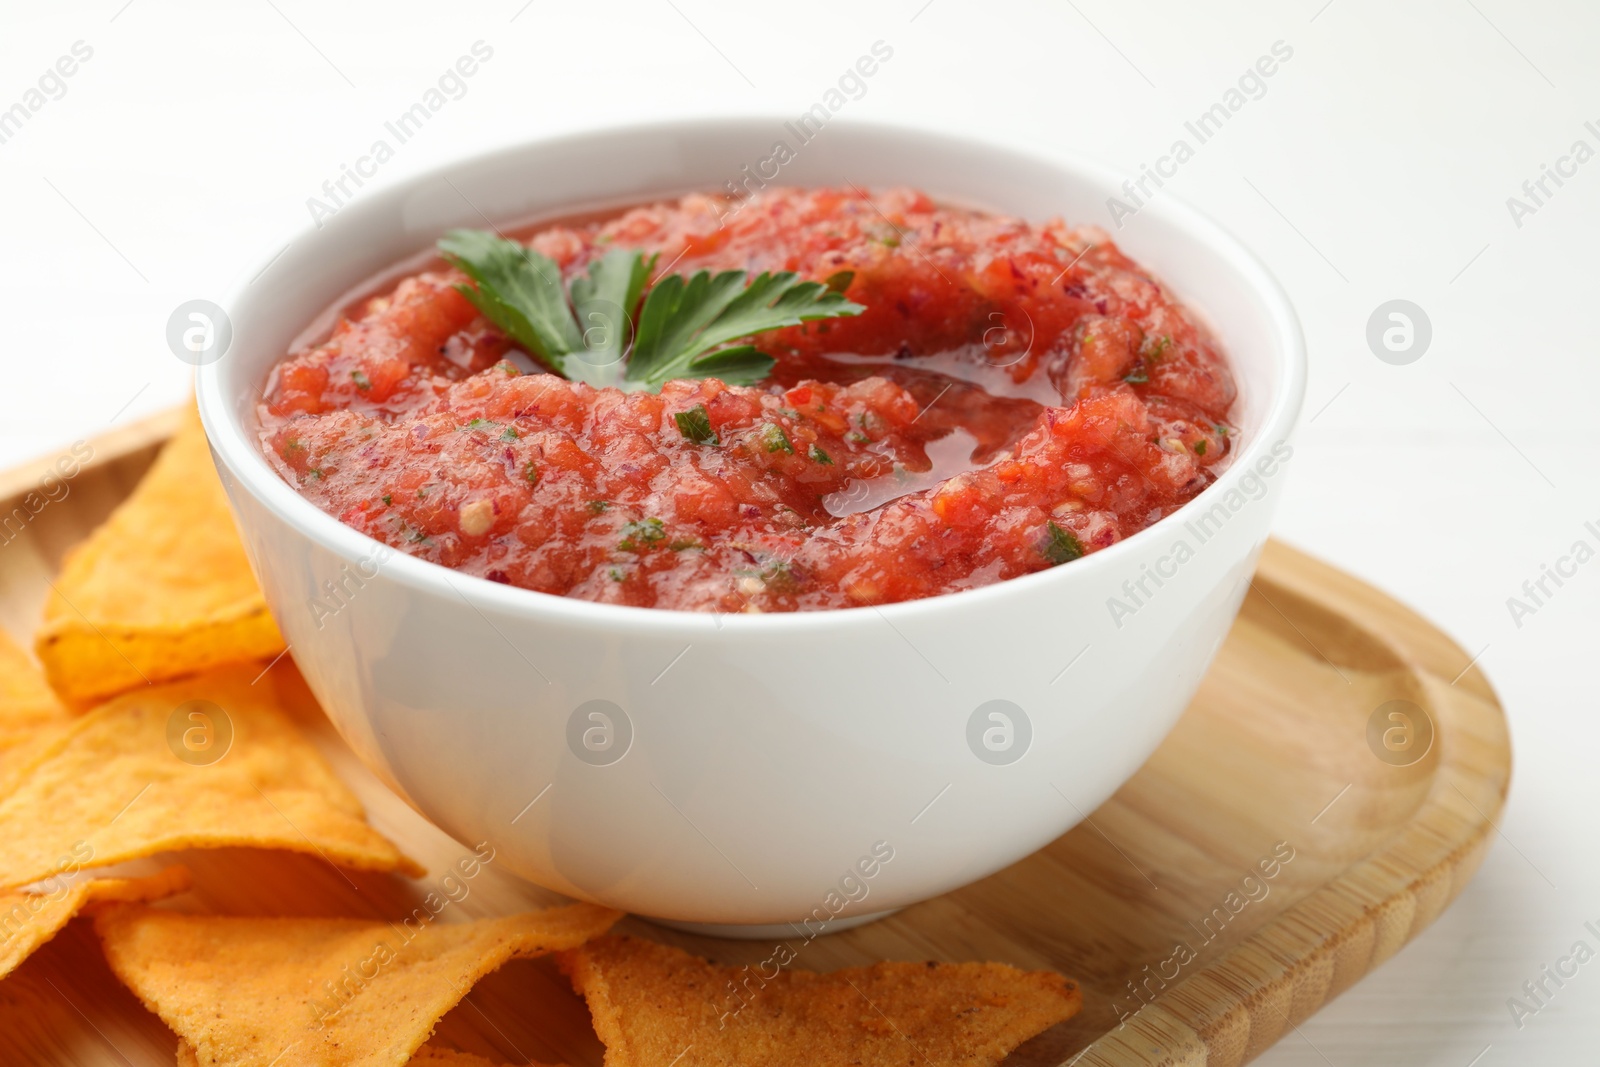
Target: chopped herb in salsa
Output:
[(695, 425), (1060, 545)]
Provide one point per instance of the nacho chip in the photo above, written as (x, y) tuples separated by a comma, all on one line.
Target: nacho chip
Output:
[(27, 702), (121, 782), (161, 589), (339, 992), (426, 1056), (28, 707), (657, 1005), (434, 1056), (28, 920)]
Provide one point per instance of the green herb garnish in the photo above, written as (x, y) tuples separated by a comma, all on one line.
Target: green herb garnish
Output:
[(820, 456), (693, 328), (695, 424), (387, 500), (1060, 546), (1137, 376), (696, 327), (363, 383), (1200, 447)]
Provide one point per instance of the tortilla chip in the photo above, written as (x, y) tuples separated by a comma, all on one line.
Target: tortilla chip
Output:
[(28, 707), (434, 1056), (443, 1057), (161, 589), (27, 702), (28, 920), (657, 1005), (427, 1056), (110, 787), (339, 992)]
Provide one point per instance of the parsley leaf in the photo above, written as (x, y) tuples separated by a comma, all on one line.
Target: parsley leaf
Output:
[(697, 327), (684, 323), (605, 301), (519, 290)]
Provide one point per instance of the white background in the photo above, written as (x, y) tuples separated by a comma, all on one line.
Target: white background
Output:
[(1376, 166)]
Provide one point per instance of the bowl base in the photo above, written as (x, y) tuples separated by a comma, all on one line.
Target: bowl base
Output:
[(763, 931)]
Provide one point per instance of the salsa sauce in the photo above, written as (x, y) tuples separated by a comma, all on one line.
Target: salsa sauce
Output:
[(1013, 396)]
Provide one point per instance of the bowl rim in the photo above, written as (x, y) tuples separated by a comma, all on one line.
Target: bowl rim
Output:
[(235, 450)]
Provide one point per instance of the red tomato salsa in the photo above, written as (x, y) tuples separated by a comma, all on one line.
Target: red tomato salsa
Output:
[(1013, 396)]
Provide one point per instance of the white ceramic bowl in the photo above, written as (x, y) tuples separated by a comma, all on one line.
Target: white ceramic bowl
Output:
[(821, 765)]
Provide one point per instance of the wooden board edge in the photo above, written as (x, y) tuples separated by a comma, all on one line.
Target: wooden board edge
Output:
[(1232, 1010)]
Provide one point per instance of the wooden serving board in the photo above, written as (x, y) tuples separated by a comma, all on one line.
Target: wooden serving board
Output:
[(1158, 902)]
